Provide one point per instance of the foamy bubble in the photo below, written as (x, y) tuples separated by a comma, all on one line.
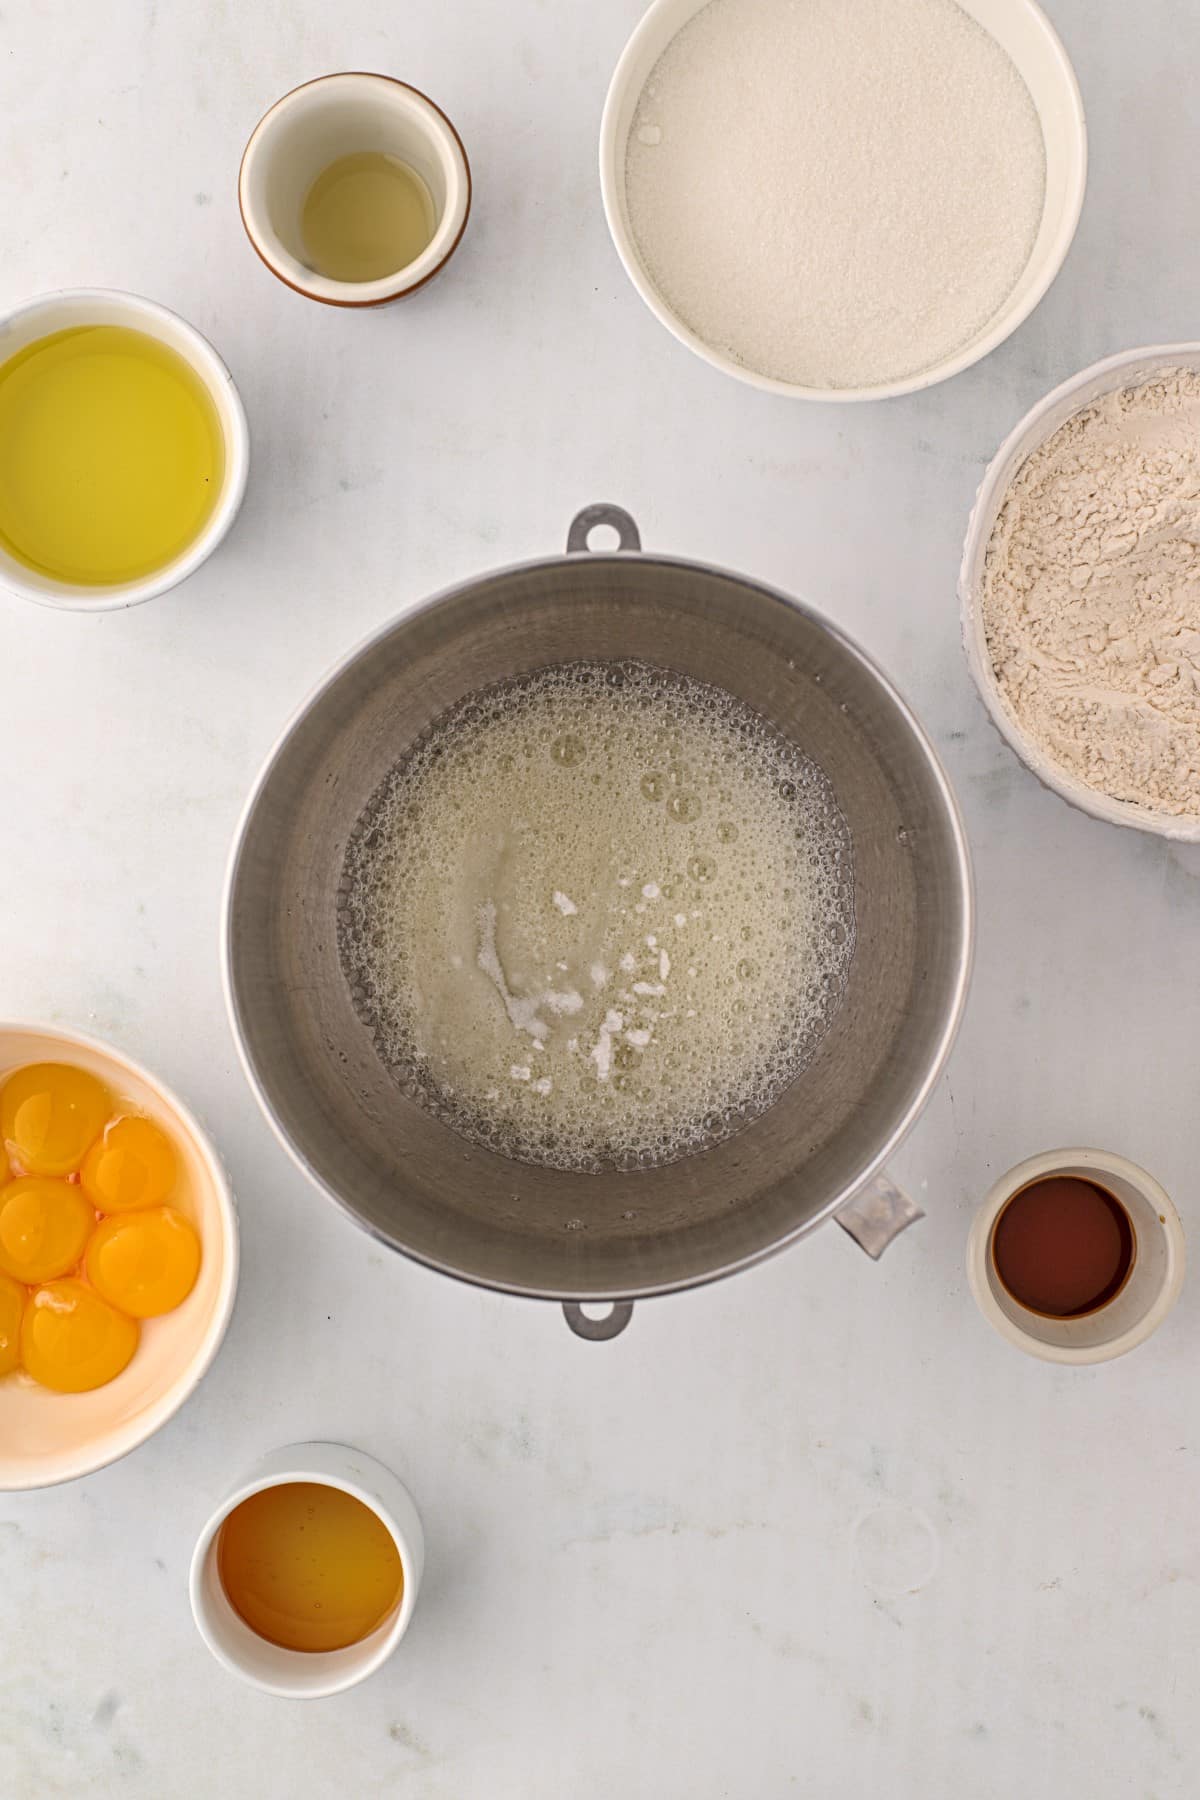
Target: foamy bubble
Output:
[(594, 784)]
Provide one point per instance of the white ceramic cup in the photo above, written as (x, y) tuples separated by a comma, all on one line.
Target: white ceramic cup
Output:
[(106, 306), (1149, 1293), (1020, 28), (304, 1674), (312, 127)]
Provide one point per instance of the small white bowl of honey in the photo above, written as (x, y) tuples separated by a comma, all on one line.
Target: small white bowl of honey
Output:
[(305, 1577), (124, 449), (118, 1255)]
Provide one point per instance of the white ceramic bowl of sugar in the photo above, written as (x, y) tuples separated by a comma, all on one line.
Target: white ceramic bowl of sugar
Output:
[(1129, 368), (1023, 31), (48, 1437)]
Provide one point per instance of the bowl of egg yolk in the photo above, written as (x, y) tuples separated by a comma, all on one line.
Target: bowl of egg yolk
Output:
[(118, 1255)]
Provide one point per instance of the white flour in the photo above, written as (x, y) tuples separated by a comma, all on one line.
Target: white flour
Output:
[(835, 192), (1091, 595)]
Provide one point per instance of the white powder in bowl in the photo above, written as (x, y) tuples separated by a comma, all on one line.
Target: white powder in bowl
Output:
[(1091, 595), (836, 193)]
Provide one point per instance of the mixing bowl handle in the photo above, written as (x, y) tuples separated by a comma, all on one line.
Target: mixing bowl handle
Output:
[(628, 535), (610, 1326), (877, 1214)]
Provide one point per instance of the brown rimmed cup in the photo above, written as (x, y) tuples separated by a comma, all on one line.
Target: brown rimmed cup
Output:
[(335, 116), (1139, 1305)]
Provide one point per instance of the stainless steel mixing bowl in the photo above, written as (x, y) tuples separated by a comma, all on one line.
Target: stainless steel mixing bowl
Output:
[(617, 1236)]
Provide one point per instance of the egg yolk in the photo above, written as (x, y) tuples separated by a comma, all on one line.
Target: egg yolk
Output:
[(50, 1114), (72, 1340), (44, 1226), (144, 1262), (133, 1164), (12, 1305)]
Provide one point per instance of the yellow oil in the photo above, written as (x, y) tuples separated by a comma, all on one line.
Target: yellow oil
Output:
[(366, 216), (111, 455), (309, 1567)]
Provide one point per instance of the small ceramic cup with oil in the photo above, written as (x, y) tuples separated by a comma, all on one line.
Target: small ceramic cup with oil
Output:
[(287, 1578), (1132, 1297), (355, 189)]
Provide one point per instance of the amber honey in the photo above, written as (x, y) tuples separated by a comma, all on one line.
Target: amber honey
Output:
[(309, 1567)]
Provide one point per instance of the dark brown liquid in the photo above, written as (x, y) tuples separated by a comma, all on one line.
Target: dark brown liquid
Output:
[(1063, 1246)]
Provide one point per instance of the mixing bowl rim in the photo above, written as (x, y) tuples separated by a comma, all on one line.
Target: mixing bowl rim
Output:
[(949, 1030), (149, 1422)]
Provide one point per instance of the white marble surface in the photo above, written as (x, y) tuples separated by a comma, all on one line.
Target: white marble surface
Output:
[(675, 1564)]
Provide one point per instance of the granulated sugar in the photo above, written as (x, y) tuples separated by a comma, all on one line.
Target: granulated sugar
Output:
[(835, 192)]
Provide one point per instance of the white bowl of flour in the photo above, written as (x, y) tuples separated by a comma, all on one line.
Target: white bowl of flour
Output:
[(1080, 590), (843, 202)]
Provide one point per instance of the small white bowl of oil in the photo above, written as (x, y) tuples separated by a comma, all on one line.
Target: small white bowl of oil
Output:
[(47, 1436), (305, 1577), (355, 189), (124, 449)]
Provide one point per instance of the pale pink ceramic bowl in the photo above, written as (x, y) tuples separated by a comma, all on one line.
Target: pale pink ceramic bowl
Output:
[(47, 1437)]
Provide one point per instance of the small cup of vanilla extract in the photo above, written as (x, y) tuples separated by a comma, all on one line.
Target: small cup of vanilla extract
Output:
[(305, 1577), (1076, 1256), (355, 189)]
